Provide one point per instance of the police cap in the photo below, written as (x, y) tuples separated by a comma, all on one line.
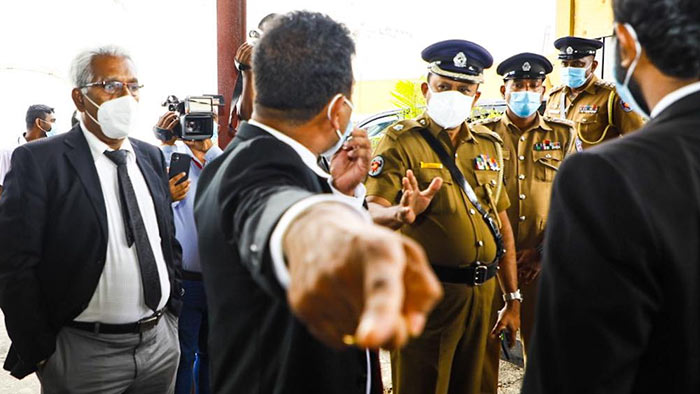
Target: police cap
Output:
[(525, 66), (571, 48), (458, 59)]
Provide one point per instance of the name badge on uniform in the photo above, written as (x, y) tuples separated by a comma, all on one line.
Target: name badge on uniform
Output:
[(486, 163), (430, 165), (547, 145), (588, 109)]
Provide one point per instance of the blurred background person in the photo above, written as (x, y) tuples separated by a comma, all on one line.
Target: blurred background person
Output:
[(40, 120), (193, 327), (244, 91), (619, 293)]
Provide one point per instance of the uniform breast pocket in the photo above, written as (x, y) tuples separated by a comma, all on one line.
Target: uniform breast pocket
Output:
[(591, 127), (444, 201), (547, 164)]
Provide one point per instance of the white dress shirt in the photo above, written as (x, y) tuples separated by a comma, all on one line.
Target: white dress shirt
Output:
[(356, 202), (118, 298), (6, 158), (674, 96)]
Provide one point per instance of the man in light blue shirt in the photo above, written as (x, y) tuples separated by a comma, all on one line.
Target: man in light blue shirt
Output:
[(193, 318)]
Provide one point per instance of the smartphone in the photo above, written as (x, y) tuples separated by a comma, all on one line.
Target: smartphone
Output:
[(179, 162), (505, 344)]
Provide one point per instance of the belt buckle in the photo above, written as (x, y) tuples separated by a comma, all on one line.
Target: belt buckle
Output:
[(149, 322), (480, 273)]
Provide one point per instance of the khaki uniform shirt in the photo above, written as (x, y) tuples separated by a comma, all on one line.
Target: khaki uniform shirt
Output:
[(591, 112), (451, 230), (532, 158)]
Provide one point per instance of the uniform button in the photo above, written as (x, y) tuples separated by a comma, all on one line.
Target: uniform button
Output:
[(254, 248), (522, 196), (521, 177), (521, 158), (493, 182), (548, 156), (522, 138), (522, 218), (480, 243), (471, 211)]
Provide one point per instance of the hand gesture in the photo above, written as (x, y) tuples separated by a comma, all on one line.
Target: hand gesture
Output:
[(350, 164), (354, 283), (244, 54), (414, 201)]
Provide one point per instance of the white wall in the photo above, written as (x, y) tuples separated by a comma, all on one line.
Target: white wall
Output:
[(172, 42)]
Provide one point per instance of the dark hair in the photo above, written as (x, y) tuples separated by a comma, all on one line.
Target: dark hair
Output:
[(266, 19), (669, 31), (37, 111), (300, 63)]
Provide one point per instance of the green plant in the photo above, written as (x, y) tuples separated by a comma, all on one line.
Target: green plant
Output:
[(408, 97)]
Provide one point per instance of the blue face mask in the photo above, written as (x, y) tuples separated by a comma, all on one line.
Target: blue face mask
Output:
[(628, 90), (524, 104), (573, 77), (50, 132)]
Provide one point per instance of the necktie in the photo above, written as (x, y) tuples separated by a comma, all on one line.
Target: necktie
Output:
[(136, 231)]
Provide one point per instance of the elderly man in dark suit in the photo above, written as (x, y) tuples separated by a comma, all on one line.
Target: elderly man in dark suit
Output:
[(89, 262), (298, 279), (619, 307)]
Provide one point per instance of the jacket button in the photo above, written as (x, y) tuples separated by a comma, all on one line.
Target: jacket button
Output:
[(254, 248), (522, 218), (521, 177), (521, 158), (522, 197), (182, 292)]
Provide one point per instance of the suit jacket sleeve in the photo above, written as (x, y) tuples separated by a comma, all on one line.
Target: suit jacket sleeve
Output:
[(176, 267), (23, 210), (598, 291), (255, 194)]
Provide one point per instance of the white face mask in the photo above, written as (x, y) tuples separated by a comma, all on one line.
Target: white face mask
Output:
[(341, 136), (449, 109), (116, 117)]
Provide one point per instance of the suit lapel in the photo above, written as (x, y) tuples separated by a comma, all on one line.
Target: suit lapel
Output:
[(79, 156), (151, 177)]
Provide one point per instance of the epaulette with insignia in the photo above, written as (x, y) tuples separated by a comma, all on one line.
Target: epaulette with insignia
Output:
[(399, 127), (566, 122), (556, 89), (605, 84), (484, 131), (486, 121)]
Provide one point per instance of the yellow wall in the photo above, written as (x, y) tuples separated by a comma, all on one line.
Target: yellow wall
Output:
[(584, 18)]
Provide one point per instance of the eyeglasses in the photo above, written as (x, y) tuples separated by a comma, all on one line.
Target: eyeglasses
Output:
[(113, 87)]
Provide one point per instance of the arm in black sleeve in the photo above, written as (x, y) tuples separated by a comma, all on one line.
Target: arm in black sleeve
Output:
[(255, 192), (598, 292), (23, 210)]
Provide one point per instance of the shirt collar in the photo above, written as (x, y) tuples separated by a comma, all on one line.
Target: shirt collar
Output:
[(435, 129), (674, 96), (539, 123), (22, 139), (308, 157), (98, 148)]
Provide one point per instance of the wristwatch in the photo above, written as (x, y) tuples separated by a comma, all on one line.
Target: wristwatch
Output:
[(513, 296)]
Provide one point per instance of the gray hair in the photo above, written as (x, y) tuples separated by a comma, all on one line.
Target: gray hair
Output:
[(81, 68)]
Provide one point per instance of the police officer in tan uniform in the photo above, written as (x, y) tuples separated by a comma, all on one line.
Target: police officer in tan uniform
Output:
[(593, 104), (534, 147), (463, 226)]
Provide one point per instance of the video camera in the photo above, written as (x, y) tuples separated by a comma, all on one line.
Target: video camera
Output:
[(196, 117)]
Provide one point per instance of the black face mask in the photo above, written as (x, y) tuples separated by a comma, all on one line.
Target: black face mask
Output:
[(634, 88)]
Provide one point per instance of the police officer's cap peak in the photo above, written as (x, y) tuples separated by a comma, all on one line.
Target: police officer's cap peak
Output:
[(458, 59), (576, 47), (525, 66)]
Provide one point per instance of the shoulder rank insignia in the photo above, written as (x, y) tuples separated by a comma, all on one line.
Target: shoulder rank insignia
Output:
[(486, 163), (588, 109), (376, 166), (547, 145), (605, 84), (625, 107), (398, 127)]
